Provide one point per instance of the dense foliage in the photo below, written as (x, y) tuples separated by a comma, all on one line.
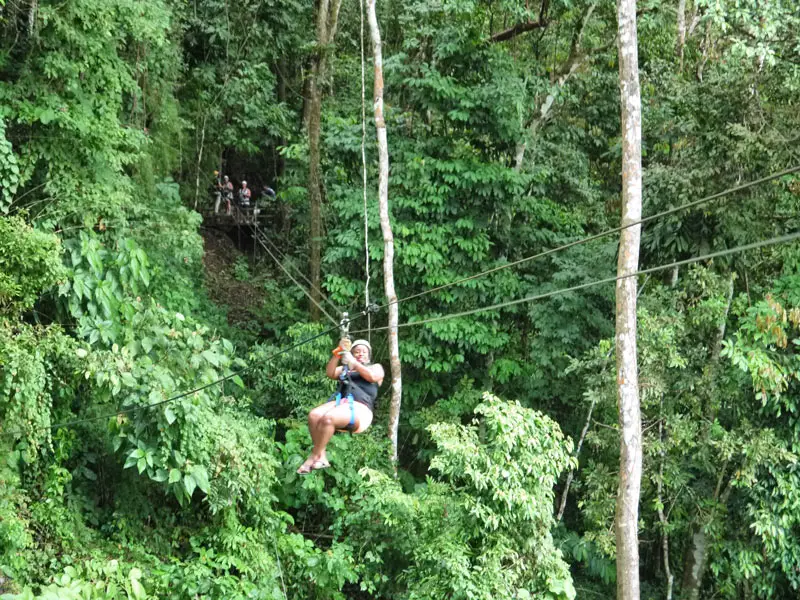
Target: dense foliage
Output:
[(116, 298)]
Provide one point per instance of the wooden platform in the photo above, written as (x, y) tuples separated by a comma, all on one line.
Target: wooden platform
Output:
[(238, 216)]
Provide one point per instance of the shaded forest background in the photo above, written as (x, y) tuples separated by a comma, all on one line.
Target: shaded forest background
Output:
[(503, 121)]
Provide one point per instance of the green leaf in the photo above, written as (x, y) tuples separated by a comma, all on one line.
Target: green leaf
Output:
[(136, 588), (211, 357), (170, 415), (189, 484), (131, 460), (141, 464), (174, 475), (200, 476), (46, 116)]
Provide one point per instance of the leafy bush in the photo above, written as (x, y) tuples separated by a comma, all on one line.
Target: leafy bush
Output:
[(481, 527), (30, 263)]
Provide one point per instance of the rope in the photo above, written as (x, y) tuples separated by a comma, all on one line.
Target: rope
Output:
[(182, 394), (364, 174), (770, 242), (591, 238)]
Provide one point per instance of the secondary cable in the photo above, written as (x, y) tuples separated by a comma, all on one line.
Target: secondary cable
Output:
[(187, 393), (591, 238), (769, 242)]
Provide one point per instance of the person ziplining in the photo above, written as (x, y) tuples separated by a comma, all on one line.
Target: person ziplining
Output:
[(350, 408)]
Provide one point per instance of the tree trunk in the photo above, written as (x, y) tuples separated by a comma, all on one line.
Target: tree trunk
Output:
[(662, 516), (386, 229), (575, 59), (630, 472), (697, 553), (326, 22), (280, 161), (199, 162), (32, 10)]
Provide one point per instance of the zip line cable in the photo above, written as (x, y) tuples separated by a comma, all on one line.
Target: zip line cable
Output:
[(289, 275), (591, 238), (310, 297), (306, 292), (182, 395), (282, 256), (769, 242)]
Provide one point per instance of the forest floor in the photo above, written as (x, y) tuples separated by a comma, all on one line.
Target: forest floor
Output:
[(242, 299)]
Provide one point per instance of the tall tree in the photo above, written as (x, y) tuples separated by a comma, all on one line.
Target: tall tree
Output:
[(386, 228), (630, 460), (696, 555), (327, 18)]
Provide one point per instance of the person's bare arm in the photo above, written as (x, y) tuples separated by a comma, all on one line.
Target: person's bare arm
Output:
[(333, 369), (372, 373)]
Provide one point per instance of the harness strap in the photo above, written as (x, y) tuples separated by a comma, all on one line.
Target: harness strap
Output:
[(344, 379), (352, 403)]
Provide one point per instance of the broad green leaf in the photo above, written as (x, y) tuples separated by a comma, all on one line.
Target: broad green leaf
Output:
[(189, 484), (200, 476)]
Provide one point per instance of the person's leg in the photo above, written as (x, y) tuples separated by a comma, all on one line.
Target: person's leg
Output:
[(315, 415), (313, 419), (363, 419), (336, 418)]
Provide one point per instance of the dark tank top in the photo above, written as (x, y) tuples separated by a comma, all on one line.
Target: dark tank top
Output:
[(363, 391)]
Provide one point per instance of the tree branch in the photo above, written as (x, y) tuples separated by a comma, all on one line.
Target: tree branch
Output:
[(571, 475), (516, 30)]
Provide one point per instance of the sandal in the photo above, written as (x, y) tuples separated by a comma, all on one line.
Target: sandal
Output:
[(305, 469), (319, 465)]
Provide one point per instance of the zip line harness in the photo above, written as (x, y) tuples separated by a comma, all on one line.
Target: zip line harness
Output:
[(345, 383)]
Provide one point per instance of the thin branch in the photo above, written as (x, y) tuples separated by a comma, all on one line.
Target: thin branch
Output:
[(516, 30), (571, 475)]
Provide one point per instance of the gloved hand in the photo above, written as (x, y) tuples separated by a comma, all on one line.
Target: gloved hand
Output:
[(348, 359)]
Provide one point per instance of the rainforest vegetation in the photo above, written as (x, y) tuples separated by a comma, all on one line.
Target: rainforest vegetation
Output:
[(157, 364)]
